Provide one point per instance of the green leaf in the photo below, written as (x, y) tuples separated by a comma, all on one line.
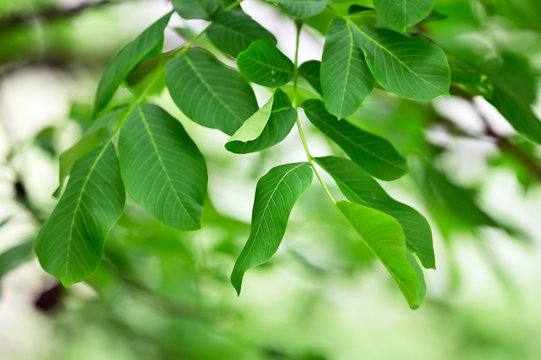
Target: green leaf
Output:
[(310, 70), (148, 43), (373, 153), (15, 256), (345, 78), (263, 64), (359, 187), (162, 167), (70, 243), (402, 14), (195, 9), (419, 272), (149, 77), (233, 31), (86, 144), (383, 235), (208, 92), (264, 131), (301, 8), (410, 67), (275, 195)]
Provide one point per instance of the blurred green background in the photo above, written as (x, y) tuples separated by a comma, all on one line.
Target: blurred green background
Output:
[(161, 294)]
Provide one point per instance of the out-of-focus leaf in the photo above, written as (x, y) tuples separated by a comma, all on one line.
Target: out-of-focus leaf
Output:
[(385, 238), (149, 77), (373, 153), (263, 64), (195, 9), (162, 167), (402, 14), (275, 196), (15, 256), (361, 188), (70, 243), (208, 92)]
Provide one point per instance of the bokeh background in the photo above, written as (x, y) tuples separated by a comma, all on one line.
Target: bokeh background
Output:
[(161, 294)]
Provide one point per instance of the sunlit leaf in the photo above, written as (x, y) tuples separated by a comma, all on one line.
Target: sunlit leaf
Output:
[(70, 243), (275, 196), (263, 64), (162, 167), (208, 92), (373, 153)]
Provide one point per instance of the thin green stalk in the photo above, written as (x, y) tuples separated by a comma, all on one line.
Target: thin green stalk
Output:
[(234, 5), (299, 127)]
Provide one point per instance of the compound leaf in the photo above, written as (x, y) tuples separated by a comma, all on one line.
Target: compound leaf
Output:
[(263, 64), (275, 196), (345, 78), (373, 153), (384, 236), (208, 92), (162, 167), (148, 43), (70, 243)]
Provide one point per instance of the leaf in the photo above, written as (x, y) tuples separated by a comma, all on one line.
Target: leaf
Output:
[(254, 125), (208, 92), (373, 153), (15, 256), (86, 144), (275, 195), (410, 67), (195, 9), (383, 235), (310, 71), (263, 64), (301, 8), (359, 187), (149, 77), (162, 168), (268, 131), (233, 31), (345, 78), (148, 43), (402, 14), (70, 243), (419, 272)]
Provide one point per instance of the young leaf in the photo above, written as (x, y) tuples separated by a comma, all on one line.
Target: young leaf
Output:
[(195, 9), (148, 43), (266, 131), (86, 144), (263, 64), (301, 8), (208, 92), (233, 31), (162, 167), (345, 78), (402, 14), (310, 70), (373, 153), (275, 195), (410, 67), (359, 187), (70, 243), (383, 235)]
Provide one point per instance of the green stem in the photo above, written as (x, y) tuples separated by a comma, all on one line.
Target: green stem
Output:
[(233, 5), (296, 106)]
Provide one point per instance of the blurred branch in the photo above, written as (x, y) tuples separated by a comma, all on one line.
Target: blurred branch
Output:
[(52, 13)]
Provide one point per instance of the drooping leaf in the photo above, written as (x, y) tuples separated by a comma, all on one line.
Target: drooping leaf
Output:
[(373, 153), (359, 187), (273, 129), (419, 272), (148, 43), (208, 92), (70, 243), (402, 14), (310, 70), (15, 256), (195, 9), (345, 78), (162, 167), (233, 31), (90, 141), (301, 8), (263, 64), (410, 67), (275, 196), (384, 236)]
